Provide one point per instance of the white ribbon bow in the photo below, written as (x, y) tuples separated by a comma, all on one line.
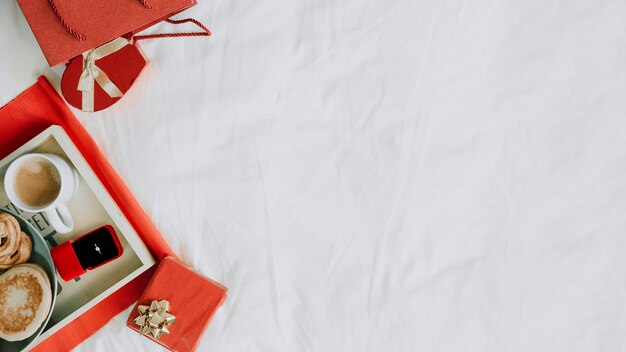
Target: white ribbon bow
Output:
[(92, 73)]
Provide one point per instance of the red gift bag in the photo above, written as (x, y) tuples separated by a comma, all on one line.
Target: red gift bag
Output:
[(68, 28)]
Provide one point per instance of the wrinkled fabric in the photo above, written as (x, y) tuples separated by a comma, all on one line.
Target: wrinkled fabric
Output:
[(381, 175)]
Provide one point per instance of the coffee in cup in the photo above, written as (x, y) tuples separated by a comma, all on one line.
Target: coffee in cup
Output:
[(37, 182), (41, 182)]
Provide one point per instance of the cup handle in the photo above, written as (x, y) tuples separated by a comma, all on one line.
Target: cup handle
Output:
[(60, 218)]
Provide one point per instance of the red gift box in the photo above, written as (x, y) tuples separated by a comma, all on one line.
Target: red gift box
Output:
[(68, 28), (120, 66), (193, 300)]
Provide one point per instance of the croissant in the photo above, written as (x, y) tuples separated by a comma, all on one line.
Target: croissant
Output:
[(21, 255), (9, 235)]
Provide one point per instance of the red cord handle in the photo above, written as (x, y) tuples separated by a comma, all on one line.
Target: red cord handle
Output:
[(69, 28), (146, 4), (205, 31), (66, 25)]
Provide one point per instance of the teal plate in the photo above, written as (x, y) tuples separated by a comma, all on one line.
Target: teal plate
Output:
[(40, 255)]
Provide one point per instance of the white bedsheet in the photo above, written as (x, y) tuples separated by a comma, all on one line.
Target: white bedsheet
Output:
[(381, 175)]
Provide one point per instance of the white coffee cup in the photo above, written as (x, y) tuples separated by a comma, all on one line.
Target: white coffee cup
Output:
[(30, 172)]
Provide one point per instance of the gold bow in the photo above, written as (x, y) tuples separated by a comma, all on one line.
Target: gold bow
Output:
[(154, 319), (92, 73)]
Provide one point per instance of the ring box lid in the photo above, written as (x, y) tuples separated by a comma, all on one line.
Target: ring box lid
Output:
[(66, 261)]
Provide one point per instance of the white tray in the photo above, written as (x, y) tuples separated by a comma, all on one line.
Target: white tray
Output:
[(91, 208)]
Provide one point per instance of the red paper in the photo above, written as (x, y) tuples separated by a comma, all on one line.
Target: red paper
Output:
[(193, 299), (99, 21), (25, 117)]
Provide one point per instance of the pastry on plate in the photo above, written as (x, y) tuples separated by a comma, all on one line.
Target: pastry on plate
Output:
[(25, 300), (15, 245), (9, 235)]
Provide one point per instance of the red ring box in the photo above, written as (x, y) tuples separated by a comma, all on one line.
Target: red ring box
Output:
[(75, 257)]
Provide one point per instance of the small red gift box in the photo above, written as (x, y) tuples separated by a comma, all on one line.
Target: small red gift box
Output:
[(193, 300), (68, 28)]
